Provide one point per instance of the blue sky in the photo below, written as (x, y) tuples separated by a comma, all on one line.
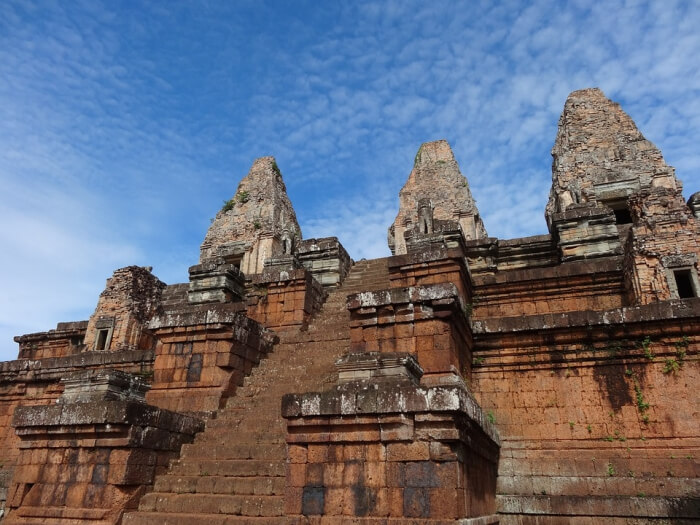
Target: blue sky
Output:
[(124, 125)]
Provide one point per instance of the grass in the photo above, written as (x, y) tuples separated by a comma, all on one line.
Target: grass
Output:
[(416, 159), (490, 417), (276, 168), (228, 205)]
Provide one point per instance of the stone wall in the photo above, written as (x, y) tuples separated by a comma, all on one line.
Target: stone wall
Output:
[(426, 321), (282, 300), (66, 339), (36, 382), (596, 411), (378, 447), (574, 287)]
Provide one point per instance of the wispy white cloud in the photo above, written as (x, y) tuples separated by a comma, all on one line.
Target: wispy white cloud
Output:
[(134, 125)]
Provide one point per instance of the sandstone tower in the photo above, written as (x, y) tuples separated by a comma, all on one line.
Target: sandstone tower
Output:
[(257, 223), (464, 380), (435, 192), (600, 157)]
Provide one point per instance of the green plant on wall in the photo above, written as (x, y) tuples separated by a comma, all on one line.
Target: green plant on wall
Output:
[(674, 364), (228, 205), (671, 366), (276, 168), (416, 159), (642, 406), (646, 348)]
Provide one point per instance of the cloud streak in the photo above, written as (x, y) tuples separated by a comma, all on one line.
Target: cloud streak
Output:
[(122, 130)]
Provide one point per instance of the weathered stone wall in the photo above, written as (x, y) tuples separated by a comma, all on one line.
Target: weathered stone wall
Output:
[(202, 355), (574, 287), (379, 446), (66, 339), (596, 411), (426, 321), (36, 382)]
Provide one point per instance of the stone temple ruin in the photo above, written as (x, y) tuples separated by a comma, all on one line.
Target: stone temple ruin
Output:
[(463, 380)]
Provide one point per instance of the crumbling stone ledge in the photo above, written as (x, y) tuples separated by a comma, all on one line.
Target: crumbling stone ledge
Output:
[(56, 367), (358, 400), (676, 309), (598, 506)]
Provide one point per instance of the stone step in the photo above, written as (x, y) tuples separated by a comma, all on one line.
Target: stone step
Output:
[(228, 467), (222, 435), (235, 450), (264, 486), (162, 518), (231, 504), (234, 471)]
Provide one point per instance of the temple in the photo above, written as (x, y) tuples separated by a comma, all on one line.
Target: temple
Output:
[(463, 380)]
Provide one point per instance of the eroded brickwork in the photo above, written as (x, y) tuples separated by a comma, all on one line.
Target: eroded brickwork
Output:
[(282, 300)]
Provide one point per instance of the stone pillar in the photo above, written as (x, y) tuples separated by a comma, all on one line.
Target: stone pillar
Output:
[(92, 455), (203, 354), (586, 231), (215, 280), (326, 259), (378, 446), (284, 299), (429, 322)]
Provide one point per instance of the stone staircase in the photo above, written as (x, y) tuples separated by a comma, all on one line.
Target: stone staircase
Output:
[(234, 472)]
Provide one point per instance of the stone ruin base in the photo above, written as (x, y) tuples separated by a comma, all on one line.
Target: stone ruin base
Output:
[(380, 448), (92, 455)]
